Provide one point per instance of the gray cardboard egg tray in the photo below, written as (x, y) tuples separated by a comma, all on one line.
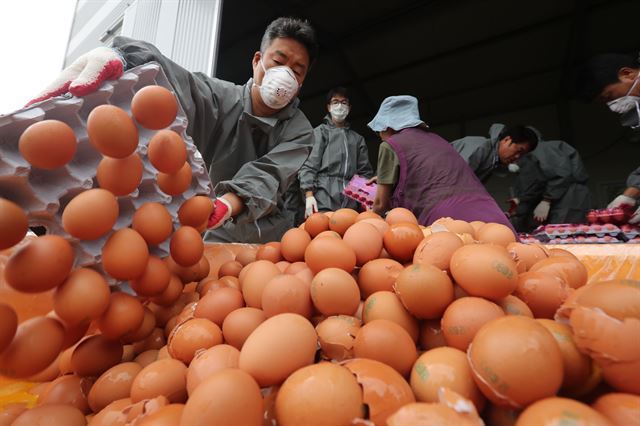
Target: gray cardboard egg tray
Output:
[(43, 194)]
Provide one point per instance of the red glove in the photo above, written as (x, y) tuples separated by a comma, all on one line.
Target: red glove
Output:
[(85, 74), (221, 213)]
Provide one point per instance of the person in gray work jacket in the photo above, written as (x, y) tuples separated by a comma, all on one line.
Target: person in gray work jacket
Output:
[(338, 154), (551, 186), (253, 137), (504, 146)]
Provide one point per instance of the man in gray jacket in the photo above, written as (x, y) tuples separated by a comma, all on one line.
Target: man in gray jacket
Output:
[(505, 145), (338, 154), (551, 186), (253, 137)]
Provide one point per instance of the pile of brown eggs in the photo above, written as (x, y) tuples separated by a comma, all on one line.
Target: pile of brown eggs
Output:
[(349, 319)]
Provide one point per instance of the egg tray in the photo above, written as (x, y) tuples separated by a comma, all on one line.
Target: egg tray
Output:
[(576, 230), (357, 189), (43, 194), (617, 215), (607, 239)]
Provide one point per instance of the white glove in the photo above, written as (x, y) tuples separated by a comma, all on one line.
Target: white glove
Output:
[(635, 218), (311, 206), (541, 212), (622, 200), (85, 74)]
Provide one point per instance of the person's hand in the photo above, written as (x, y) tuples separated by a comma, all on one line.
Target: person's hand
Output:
[(513, 204), (85, 74), (622, 201), (221, 213), (311, 206), (635, 218), (541, 212), (372, 180)]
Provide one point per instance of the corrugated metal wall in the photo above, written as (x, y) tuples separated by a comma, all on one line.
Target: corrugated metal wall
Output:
[(146, 23), (193, 37)]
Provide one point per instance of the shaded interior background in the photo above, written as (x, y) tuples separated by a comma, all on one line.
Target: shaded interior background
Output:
[(470, 64)]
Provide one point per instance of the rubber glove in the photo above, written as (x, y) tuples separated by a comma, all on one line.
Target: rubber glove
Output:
[(221, 213), (541, 212), (513, 204), (85, 74), (311, 206), (622, 201)]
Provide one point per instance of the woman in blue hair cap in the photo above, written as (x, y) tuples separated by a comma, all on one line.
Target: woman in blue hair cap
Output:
[(420, 171)]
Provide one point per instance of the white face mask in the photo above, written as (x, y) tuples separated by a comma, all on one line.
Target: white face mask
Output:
[(279, 86), (627, 102), (339, 112), (513, 168)]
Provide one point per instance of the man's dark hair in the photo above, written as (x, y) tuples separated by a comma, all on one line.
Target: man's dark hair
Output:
[(296, 29), (337, 91), (600, 71), (520, 134)]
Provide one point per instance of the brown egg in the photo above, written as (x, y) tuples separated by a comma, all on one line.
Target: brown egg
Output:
[(526, 255), (177, 183), (329, 253), (51, 415), (83, 296), (124, 315), (154, 107), (507, 356), (256, 278), (484, 270), (335, 292), (145, 329), (155, 340), (368, 215), (187, 246), (501, 416), (278, 347), (246, 256), (342, 219), (283, 265), (316, 223), (560, 411), (154, 280), (208, 362), (8, 325), (387, 305), (193, 335), (125, 255), (387, 342), (365, 241), (437, 249), (570, 270), (147, 357), (511, 305), (217, 304), (401, 240), (384, 391), (399, 215), (623, 376), (431, 335), (379, 224), (286, 293), (496, 233), (153, 222), (168, 153), (464, 317), (187, 274), (619, 408), (171, 293), (460, 414), (336, 336), (112, 385), (305, 397), (36, 344), (330, 234), (72, 332), (294, 243), (81, 224), (120, 176), (53, 256), (112, 132), (239, 324), (135, 412), (13, 224), (457, 226), (270, 251), (69, 390), (94, 355), (424, 290), (444, 367), (542, 292), (111, 414), (228, 397), (195, 211), (169, 415), (557, 252), (48, 144), (166, 377), (577, 366), (378, 275)]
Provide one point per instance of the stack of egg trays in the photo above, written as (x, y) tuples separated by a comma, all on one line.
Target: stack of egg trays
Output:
[(43, 194)]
